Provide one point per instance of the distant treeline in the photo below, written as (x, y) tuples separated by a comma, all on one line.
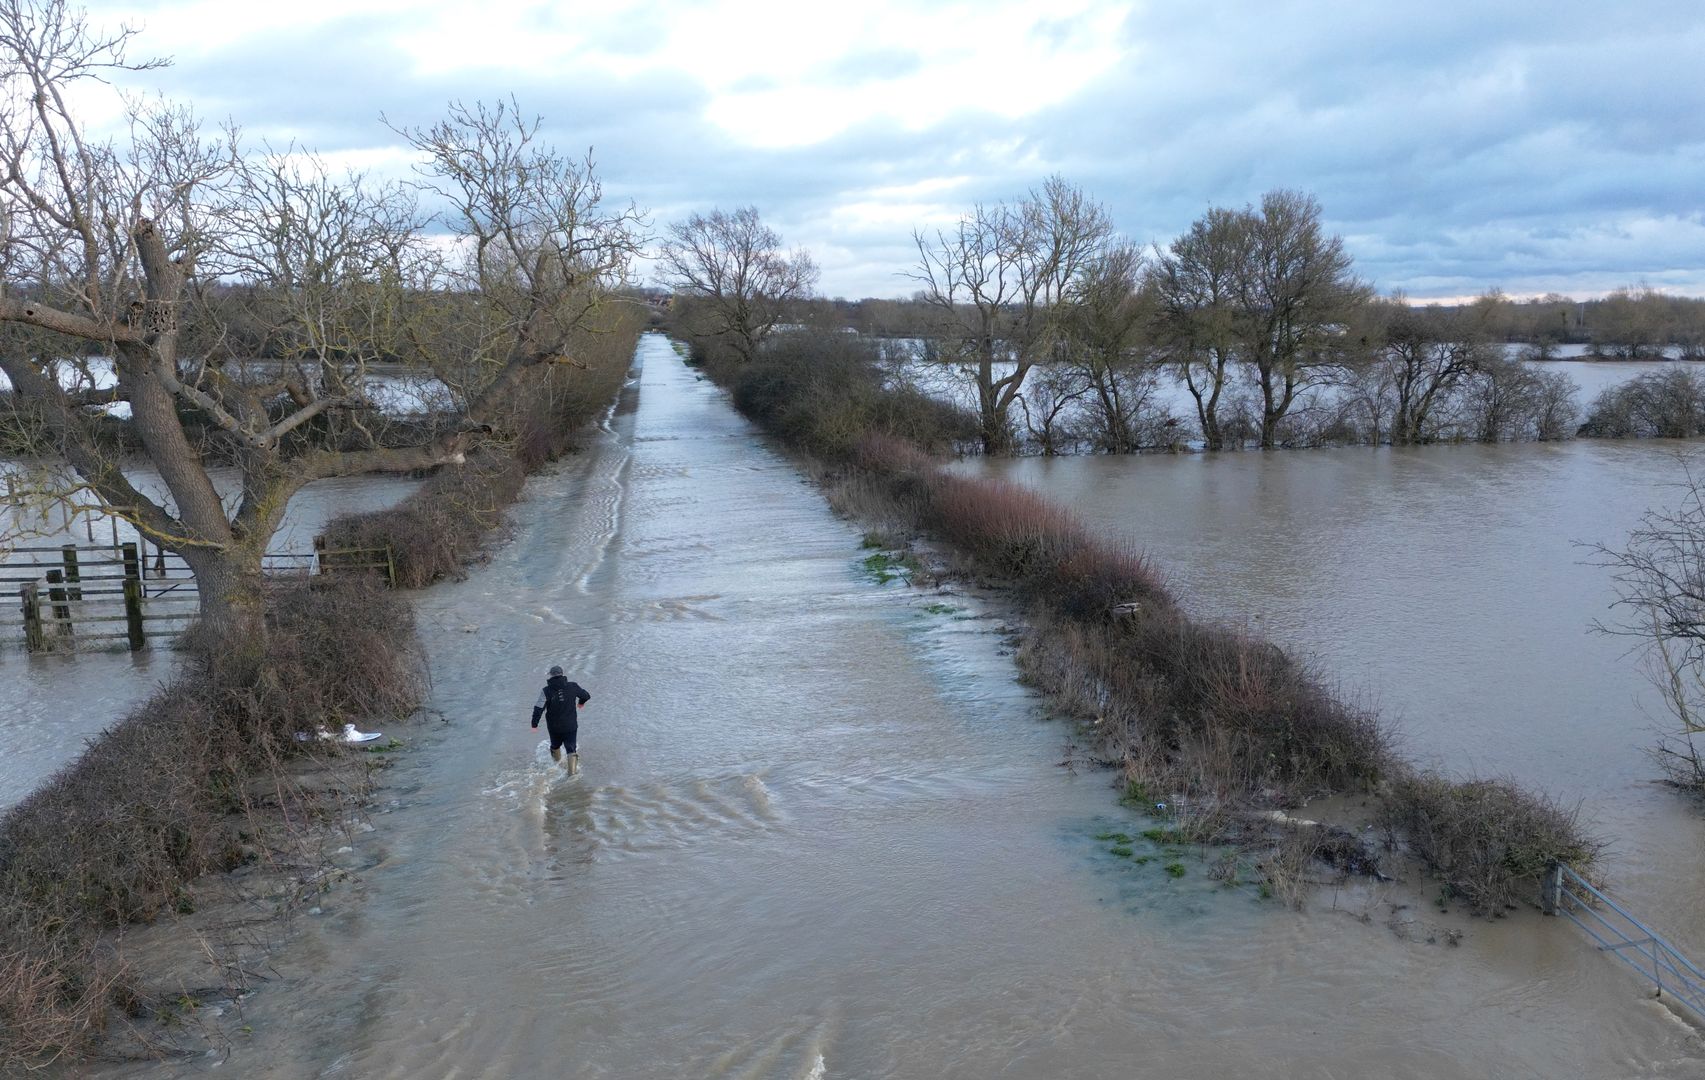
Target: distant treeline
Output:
[(1250, 328), (1629, 324), (1398, 375)]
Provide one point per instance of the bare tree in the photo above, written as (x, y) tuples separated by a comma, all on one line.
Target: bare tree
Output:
[(736, 268), (1263, 287), (1298, 295), (1629, 323), (1660, 581), (1049, 402), (1371, 400), (1427, 355), (1000, 281), (1102, 338), (1199, 321), (540, 249), (109, 243), (329, 273)]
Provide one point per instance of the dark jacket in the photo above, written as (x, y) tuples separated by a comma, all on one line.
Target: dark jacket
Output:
[(558, 701)]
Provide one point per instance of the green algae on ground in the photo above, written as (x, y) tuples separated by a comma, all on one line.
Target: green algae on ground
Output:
[(1165, 835), (885, 567)]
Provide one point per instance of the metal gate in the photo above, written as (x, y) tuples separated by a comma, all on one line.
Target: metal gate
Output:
[(1619, 933)]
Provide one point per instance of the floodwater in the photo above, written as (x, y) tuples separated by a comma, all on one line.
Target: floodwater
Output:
[(1172, 398), (392, 388), (51, 704), (820, 831), (1452, 586)]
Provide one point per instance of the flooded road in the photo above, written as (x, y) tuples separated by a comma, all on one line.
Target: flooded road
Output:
[(820, 831)]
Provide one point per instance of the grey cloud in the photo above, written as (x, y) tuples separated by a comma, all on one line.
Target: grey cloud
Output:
[(1456, 146), (331, 83)]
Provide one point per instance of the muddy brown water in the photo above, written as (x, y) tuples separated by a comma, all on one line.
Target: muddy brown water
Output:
[(1454, 588), (821, 832)]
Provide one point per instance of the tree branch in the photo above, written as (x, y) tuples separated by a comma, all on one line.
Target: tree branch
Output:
[(325, 464), (31, 313), (301, 416)]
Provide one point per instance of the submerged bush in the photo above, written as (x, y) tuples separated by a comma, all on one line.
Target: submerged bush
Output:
[(440, 528), (1657, 405), (824, 393), (1488, 840)]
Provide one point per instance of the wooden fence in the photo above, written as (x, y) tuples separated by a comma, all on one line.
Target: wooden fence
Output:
[(84, 596)]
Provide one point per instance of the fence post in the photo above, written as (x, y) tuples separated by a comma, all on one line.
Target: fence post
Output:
[(1551, 889), (73, 573), (133, 613), (61, 609), (320, 552), (132, 561), (34, 639), (390, 567), (159, 559)]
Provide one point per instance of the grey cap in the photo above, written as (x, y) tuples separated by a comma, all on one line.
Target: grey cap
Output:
[(556, 669)]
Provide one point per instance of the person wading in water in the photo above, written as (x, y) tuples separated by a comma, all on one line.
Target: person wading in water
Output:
[(559, 704)]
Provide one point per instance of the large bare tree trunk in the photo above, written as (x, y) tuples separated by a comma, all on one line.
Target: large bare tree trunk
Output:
[(232, 600)]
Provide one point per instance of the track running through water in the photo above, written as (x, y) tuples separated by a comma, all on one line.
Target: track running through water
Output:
[(820, 832)]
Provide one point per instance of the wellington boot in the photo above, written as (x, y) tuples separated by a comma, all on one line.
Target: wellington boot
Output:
[(572, 764), (556, 753)]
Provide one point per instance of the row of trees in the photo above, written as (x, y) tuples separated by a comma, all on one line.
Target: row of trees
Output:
[(1256, 312), (1630, 323), (150, 250), (1400, 399), (1047, 281), (1062, 329)]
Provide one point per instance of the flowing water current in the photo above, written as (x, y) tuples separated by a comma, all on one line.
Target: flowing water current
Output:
[(820, 830)]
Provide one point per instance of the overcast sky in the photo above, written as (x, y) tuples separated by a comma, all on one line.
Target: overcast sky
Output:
[(1456, 145)]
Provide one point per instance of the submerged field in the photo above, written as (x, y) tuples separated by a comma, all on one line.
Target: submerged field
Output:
[(820, 829), (1451, 588)]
